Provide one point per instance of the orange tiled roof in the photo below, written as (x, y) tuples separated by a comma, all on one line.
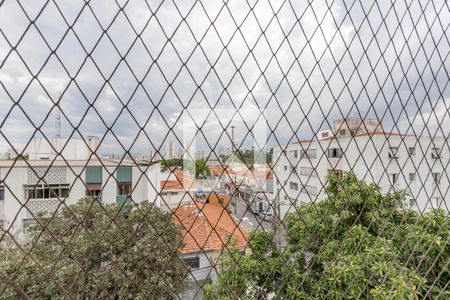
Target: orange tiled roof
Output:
[(183, 181), (207, 227), (218, 170)]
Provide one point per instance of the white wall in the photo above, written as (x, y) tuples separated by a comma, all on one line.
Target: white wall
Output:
[(369, 159), (200, 275), (74, 149), (18, 177)]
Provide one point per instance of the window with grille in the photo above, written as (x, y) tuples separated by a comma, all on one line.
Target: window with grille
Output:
[(50, 191), (192, 262)]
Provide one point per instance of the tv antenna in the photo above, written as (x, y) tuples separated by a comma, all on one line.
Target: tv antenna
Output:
[(58, 118)]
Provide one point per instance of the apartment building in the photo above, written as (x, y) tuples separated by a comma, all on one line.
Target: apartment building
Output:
[(395, 161), (44, 185)]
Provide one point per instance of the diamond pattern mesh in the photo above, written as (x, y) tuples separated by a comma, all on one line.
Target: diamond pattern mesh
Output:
[(210, 121)]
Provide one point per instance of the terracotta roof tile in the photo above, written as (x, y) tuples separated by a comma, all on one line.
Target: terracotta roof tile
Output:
[(208, 227), (183, 181)]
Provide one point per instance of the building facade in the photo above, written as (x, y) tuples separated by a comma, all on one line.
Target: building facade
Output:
[(42, 187), (393, 161)]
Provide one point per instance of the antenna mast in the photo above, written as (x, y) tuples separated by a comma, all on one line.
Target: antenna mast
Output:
[(233, 147), (57, 119)]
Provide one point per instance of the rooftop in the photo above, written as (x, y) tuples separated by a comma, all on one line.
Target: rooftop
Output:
[(207, 227), (180, 180)]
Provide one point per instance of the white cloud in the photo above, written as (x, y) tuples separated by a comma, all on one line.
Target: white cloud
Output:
[(246, 58)]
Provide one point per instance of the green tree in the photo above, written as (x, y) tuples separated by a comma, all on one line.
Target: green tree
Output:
[(357, 243), (167, 163), (201, 168), (95, 251)]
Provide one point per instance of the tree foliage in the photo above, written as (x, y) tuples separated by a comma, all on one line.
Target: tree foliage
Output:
[(358, 243), (96, 251), (199, 168)]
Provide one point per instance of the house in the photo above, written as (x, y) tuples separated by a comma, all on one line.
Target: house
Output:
[(178, 188), (207, 230)]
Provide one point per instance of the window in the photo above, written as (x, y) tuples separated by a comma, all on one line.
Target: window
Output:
[(412, 176), (411, 202), (49, 191), (393, 152), (124, 178), (293, 153), (436, 178), (394, 178), (411, 151), (338, 173), (124, 188), (293, 186), (435, 153), (334, 153), (342, 132), (353, 132), (94, 174), (285, 168), (124, 174), (2, 192), (93, 192), (310, 153), (309, 190), (325, 134), (192, 262), (309, 172)]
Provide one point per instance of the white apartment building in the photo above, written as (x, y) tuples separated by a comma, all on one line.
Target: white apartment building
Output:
[(46, 182), (395, 161)]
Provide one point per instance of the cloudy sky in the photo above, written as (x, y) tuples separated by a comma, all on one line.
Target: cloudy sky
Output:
[(126, 71)]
